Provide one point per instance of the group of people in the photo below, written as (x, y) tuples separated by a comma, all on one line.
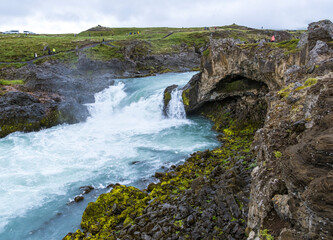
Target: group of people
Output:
[(132, 33), (49, 52)]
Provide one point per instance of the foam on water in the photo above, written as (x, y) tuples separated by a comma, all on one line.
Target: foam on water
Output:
[(125, 140)]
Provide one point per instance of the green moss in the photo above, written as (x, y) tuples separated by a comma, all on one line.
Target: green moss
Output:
[(235, 86), (186, 100), (310, 82), (11, 82), (265, 235), (119, 206), (284, 93), (167, 96), (24, 125), (165, 70), (179, 223), (206, 52), (277, 154)]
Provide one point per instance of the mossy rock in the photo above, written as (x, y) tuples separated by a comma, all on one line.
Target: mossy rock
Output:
[(108, 217), (185, 97), (119, 206)]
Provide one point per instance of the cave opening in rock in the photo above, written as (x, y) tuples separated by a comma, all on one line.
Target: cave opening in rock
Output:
[(241, 98), (237, 83)]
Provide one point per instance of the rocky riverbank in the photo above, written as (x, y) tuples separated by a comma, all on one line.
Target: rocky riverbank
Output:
[(54, 92), (273, 182)]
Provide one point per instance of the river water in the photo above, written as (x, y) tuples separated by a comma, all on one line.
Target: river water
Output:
[(125, 141)]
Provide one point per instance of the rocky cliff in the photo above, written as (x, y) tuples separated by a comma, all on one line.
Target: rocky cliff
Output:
[(291, 190)]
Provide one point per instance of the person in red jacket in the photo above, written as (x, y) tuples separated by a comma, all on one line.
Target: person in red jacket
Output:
[(273, 39)]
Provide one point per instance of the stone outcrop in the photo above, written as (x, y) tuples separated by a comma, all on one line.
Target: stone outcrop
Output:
[(322, 30), (291, 190)]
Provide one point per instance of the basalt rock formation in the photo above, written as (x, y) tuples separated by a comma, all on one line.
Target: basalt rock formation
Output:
[(292, 184)]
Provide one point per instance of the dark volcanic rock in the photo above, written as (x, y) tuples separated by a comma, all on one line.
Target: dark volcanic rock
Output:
[(78, 198), (87, 189), (322, 30), (21, 111)]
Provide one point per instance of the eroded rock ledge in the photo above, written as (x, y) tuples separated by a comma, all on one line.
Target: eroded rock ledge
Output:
[(291, 190)]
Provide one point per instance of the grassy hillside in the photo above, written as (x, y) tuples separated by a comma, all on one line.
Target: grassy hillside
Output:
[(18, 49)]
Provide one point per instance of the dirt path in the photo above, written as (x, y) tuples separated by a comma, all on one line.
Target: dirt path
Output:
[(167, 35)]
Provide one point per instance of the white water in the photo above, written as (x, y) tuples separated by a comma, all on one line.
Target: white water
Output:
[(175, 108), (40, 172)]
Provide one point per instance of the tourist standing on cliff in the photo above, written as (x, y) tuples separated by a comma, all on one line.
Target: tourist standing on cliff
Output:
[(273, 39)]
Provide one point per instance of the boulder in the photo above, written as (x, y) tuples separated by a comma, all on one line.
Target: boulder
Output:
[(321, 30)]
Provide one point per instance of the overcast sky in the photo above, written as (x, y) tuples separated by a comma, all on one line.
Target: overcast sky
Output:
[(69, 16)]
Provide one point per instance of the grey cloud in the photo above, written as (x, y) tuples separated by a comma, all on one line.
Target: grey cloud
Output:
[(174, 13)]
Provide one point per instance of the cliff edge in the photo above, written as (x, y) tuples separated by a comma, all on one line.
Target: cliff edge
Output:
[(291, 189)]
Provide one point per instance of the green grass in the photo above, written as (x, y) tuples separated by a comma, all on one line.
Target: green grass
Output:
[(104, 53), (21, 48), (65, 57), (289, 45)]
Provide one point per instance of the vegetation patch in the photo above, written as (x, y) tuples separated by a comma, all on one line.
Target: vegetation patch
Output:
[(284, 92), (206, 52), (104, 53), (185, 97), (11, 82), (310, 82), (290, 46), (277, 154)]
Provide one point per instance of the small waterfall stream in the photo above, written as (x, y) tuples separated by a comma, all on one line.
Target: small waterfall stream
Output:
[(175, 108)]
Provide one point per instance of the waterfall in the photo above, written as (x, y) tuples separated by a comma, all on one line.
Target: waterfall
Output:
[(175, 107), (125, 140)]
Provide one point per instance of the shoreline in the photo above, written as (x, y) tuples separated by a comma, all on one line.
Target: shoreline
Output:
[(125, 210)]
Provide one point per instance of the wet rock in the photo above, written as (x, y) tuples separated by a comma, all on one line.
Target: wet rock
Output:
[(111, 185), (159, 175), (78, 198), (151, 186), (87, 189), (134, 162)]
